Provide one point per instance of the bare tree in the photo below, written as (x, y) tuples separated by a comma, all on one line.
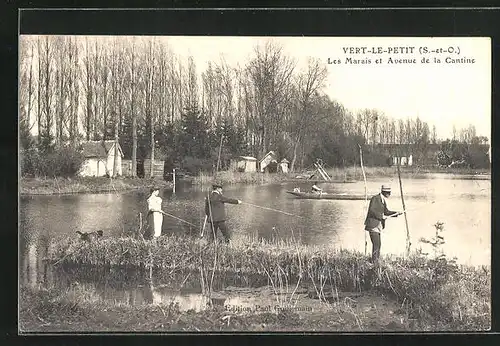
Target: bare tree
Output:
[(62, 80), (26, 81), (133, 89), (270, 72), (88, 88), (308, 84), (73, 89), (149, 74), (117, 86), (47, 87)]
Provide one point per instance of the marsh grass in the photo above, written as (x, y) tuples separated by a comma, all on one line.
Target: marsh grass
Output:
[(434, 290), (55, 185), (355, 173), (230, 177), (339, 174)]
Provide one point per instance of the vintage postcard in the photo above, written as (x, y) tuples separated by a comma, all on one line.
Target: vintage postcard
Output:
[(243, 184)]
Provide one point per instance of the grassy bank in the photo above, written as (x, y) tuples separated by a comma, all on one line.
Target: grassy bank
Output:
[(437, 293), (337, 174), (78, 310), (53, 186)]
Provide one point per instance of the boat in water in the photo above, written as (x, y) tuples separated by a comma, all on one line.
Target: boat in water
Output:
[(337, 196)]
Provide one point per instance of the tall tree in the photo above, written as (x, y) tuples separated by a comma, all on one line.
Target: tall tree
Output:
[(133, 89), (308, 84), (270, 73), (47, 95)]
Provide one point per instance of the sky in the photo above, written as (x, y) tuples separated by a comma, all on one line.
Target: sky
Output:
[(443, 94)]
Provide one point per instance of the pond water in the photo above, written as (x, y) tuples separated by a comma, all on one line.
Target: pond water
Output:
[(464, 205)]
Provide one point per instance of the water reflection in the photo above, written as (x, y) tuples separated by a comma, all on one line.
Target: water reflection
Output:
[(96, 285), (463, 205)]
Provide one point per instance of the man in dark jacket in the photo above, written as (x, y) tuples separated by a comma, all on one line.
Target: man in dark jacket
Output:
[(375, 219), (216, 212)]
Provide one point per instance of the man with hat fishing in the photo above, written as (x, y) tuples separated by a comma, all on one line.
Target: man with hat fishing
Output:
[(216, 213), (375, 219)]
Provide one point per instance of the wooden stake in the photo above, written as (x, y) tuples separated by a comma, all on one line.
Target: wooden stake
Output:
[(203, 228), (220, 149), (173, 178), (366, 192), (408, 243), (140, 222)]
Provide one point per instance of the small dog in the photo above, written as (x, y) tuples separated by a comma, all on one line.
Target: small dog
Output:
[(90, 236)]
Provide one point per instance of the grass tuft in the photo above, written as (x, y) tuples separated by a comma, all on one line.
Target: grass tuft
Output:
[(430, 289)]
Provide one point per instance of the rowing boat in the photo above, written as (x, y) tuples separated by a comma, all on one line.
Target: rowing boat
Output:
[(338, 196), (298, 180)]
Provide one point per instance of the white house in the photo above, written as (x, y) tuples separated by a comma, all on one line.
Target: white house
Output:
[(244, 164), (99, 158), (403, 160)]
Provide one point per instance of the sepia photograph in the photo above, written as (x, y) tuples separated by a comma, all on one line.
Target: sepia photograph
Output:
[(254, 184)]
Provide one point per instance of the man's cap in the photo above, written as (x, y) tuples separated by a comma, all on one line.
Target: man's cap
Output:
[(386, 188)]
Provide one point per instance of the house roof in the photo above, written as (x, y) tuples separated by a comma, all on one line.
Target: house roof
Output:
[(248, 158), (98, 148), (271, 153)]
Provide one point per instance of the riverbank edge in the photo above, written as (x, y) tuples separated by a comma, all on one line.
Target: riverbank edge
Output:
[(337, 175), (85, 185), (433, 291), (49, 310), (90, 185)]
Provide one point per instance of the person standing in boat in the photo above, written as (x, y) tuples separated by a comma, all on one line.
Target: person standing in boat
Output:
[(316, 189), (216, 212), (155, 214), (375, 219)]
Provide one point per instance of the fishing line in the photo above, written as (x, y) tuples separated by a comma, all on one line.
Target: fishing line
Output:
[(271, 209), (431, 203)]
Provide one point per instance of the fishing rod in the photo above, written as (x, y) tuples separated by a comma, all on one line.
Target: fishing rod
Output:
[(407, 210), (175, 217)]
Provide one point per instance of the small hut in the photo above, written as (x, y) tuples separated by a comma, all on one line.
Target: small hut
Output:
[(158, 168), (126, 168), (244, 164), (270, 159), (100, 158), (284, 165)]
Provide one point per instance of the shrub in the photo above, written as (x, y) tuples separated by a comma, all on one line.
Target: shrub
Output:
[(195, 165), (60, 162)]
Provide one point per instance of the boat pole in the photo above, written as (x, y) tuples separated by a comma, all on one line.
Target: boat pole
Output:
[(366, 192), (408, 243)]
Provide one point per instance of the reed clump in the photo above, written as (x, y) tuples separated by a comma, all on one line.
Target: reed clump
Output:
[(230, 177), (435, 290)]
